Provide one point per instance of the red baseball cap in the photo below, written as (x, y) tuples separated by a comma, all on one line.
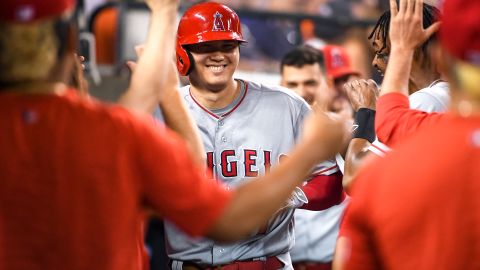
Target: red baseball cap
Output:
[(26, 11), (460, 29), (337, 62)]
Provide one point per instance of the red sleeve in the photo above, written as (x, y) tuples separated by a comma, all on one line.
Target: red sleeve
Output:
[(175, 186), (323, 192), (395, 120)]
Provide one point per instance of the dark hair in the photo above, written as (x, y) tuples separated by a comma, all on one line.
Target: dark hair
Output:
[(431, 15), (302, 55)]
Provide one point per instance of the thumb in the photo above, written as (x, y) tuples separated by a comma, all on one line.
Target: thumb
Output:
[(432, 29), (139, 49), (131, 65)]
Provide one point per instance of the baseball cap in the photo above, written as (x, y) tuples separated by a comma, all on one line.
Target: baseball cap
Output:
[(26, 11), (337, 62), (460, 29)]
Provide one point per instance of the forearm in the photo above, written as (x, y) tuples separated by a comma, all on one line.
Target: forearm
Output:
[(323, 192), (178, 119), (151, 72), (270, 192), (398, 71), (356, 156)]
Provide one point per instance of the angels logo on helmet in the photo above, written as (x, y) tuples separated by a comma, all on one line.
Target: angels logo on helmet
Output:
[(218, 23)]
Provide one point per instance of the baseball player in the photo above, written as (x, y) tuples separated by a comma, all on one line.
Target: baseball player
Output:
[(432, 230), (339, 71), (427, 93), (247, 128), (315, 231), (76, 175), (363, 95)]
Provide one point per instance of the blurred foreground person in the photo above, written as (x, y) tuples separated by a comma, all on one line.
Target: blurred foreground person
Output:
[(409, 209), (76, 175)]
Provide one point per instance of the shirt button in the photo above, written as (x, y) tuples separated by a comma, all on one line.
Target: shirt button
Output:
[(220, 123), (224, 139)]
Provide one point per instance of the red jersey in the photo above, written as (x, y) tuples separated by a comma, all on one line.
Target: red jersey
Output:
[(75, 177), (395, 120), (418, 208)]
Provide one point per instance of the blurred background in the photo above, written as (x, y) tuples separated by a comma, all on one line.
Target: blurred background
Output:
[(111, 29)]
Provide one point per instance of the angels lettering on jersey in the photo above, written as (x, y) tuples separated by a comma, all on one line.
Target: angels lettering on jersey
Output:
[(252, 162), (229, 162)]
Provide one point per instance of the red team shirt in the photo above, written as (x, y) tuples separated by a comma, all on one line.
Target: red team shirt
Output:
[(410, 210), (76, 176), (395, 120)]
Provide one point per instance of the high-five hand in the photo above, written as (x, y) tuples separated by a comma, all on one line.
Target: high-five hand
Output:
[(406, 24)]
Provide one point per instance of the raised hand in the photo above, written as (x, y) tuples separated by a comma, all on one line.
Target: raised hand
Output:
[(406, 24), (325, 132), (362, 93), (158, 5), (138, 51)]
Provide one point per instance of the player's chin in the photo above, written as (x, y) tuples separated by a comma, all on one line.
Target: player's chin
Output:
[(221, 78), (217, 86)]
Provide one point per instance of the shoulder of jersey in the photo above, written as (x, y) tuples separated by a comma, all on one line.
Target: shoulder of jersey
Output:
[(276, 90), (185, 89), (434, 98), (440, 88)]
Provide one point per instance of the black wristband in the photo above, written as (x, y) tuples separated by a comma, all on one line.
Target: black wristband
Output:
[(364, 125)]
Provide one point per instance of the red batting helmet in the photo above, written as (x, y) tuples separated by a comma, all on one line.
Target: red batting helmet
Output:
[(205, 22)]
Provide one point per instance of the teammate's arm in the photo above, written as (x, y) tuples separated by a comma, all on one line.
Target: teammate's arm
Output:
[(151, 75), (177, 117), (323, 192), (174, 111), (357, 154), (255, 202), (405, 36), (363, 95)]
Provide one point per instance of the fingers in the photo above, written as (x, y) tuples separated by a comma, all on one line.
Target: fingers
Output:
[(131, 65), (353, 94), (393, 8), (432, 29), (374, 86), (419, 8), (403, 6), (411, 6), (407, 7), (139, 49), (362, 93)]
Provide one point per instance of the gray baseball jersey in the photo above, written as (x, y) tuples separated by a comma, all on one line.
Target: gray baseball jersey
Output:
[(316, 234), (242, 141)]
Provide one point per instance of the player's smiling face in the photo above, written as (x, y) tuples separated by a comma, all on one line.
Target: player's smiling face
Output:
[(305, 80), (215, 63)]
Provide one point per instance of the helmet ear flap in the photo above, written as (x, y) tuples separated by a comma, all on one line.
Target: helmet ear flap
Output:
[(184, 60)]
